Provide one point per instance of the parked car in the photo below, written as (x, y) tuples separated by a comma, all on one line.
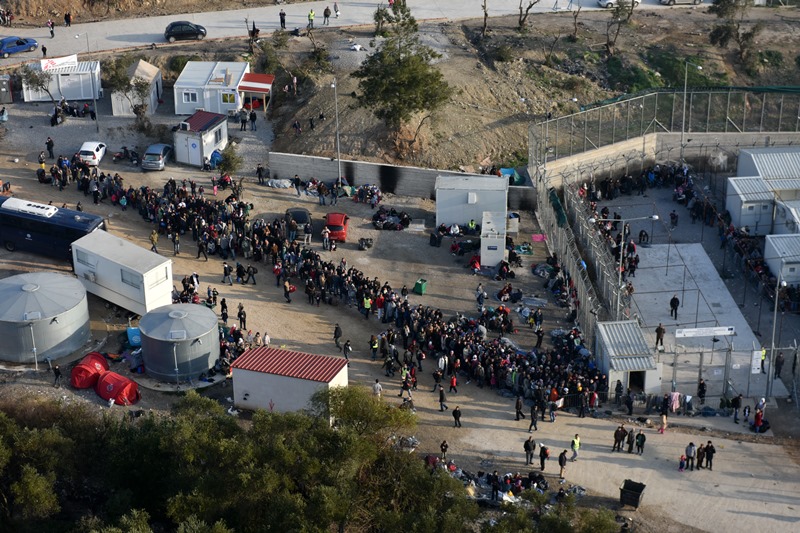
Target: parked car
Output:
[(183, 30), (92, 153), (156, 156), (15, 45), (610, 4), (673, 2), (337, 224), (301, 215)]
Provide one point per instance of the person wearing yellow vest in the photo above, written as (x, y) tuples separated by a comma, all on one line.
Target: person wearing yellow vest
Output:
[(576, 445), (367, 307), (763, 358), (311, 16)]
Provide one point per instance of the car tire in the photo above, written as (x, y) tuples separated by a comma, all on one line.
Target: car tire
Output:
[(5, 55), (32, 49), (200, 36), (171, 38), (610, 5), (672, 2), (10, 246)]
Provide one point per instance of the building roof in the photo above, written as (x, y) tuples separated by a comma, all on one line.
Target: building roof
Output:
[(786, 246), (143, 69), (626, 347), (220, 74), (121, 251), (783, 184), (204, 120), (81, 67), (257, 83), (290, 364), (751, 189), (775, 163), (471, 183), (38, 295)]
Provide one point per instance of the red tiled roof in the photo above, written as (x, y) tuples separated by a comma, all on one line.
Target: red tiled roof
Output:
[(299, 365), (204, 120), (256, 83)]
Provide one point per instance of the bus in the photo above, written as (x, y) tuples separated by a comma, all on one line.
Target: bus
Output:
[(43, 229)]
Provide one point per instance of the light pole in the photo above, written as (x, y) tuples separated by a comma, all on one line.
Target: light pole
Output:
[(685, 92), (94, 89), (778, 286), (338, 149), (618, 314)]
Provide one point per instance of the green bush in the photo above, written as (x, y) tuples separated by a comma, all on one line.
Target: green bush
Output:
[(629, 78), (177, 63), (280, 39), (503, 53)]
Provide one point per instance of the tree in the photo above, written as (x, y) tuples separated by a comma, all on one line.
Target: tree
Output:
[(574, 36), (34, 495), (485, 19), (614, 26), (732, 27), (525, 11), (38, 80), (231, 161), (398, 80)]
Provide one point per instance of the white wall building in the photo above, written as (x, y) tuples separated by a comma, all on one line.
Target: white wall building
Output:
[(623, 354), (210, 86), (77, 82), (749, 202), (783, 251), (141, 69), (198, 136), (282, 380), (122, 272), (460, 199)]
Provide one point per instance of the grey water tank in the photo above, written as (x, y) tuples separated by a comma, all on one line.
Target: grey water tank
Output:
[(182, 336), (44, 311)]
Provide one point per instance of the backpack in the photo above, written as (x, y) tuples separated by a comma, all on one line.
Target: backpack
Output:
[(255, 270), (547, 453)]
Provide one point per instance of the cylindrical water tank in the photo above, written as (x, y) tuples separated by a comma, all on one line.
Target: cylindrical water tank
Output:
[(179, 342), (42, 315)]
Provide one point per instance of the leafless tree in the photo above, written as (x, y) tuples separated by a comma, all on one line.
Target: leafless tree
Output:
[(524, 11), (548, 53), (575, 14), (485, 19)]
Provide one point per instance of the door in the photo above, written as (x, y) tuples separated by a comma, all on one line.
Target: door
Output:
[(194, 151)]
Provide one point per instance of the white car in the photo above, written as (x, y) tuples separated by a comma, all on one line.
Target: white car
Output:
[(610, 4), (92, 153), (673, 2)]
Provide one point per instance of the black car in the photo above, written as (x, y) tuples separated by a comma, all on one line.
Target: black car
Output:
[(300, 215), (183, 30)]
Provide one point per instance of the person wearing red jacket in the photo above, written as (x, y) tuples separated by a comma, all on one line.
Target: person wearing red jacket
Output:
[(453, 384)]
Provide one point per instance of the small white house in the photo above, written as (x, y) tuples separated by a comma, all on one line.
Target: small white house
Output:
[(122, 272), (623, 354), (79, 82), (493, 238), (141, 69), (769, 163), (749, 202), (283, 380), (783, 251), (460, 199), (198, 136), (210, 86)]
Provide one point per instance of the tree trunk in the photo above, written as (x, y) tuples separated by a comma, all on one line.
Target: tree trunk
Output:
[(485, 19)]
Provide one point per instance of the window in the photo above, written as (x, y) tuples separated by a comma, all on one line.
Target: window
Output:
[(189, 97), (159, 278), (751, 207), (218, 136), (84, 258), (132, 279), (228, 98)]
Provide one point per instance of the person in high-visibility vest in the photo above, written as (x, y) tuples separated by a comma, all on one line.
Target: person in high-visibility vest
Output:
[(311, 16), (367, 307), (763, 358), (576, 445)]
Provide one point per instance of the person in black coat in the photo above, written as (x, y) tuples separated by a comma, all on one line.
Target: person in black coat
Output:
[(544, 453)]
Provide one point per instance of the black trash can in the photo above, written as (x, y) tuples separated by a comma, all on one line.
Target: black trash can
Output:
[(630, 493)]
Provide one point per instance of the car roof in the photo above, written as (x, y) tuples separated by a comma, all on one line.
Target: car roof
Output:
[(158, 147), (333, 218), (91, 144), (181, 22), (11, 39)]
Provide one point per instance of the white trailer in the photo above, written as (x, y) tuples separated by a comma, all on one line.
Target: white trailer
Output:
[(122, 272)]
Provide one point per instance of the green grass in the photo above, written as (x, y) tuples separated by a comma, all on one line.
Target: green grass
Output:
[(627, 77)]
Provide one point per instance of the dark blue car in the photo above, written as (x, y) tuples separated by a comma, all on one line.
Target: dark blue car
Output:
[(15, 45)]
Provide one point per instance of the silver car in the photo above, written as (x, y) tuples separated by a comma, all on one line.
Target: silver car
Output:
[(673, 2), (155, 157)]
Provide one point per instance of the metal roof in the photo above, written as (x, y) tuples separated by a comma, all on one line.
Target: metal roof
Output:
[(626, 347), (472, 183), (38, 295), (143, 69), (786, 246), (751, 189), (81, 67), (775, 163), (257, 83), (121, 252), (220, 74), (178, 322), (290, 364), (204, 120), (783, 184)]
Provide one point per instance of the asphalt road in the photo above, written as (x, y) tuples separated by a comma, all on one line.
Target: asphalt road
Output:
[(124, 33)]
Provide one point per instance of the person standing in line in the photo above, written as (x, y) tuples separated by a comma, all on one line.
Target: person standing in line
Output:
[(701, 391), (154, 241), (691, 452), (736, 403), (660, 335), (377, 388), (457, 417), (326, 15), (49, 144), (640, 440), (253, 117), (710, 451), (576, 446), (282, 16), (444, 447), (442, 399), (701, 455), (529, 446), (544, 454), (57, 376), (337, 334), (562, 463), (533, 418), (673, 306), (336, 9), (518, 407), (630, 440)]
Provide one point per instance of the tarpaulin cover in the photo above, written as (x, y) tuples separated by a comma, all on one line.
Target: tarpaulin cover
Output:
[(121, 389), (86, 373)]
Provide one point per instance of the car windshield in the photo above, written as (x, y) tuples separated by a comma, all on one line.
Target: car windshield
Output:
[(152, 157), (87, 153), (335, 228)]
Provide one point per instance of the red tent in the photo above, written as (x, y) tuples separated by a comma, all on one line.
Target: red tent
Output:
[(123, 390), (85, 373)]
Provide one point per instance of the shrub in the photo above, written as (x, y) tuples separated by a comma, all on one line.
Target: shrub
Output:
[(503, 53), (177, 63)]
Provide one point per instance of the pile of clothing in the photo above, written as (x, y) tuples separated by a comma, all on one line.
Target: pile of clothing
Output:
[(390, 219)]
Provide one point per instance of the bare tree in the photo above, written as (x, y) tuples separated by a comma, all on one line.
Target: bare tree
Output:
[(525, 11), (614, 27), (548, 53), (485, 19), (574, 37)]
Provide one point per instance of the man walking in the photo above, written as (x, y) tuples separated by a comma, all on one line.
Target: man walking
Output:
[(49, 144), (576, 445), (282, 16), (529, 446), (444, 447), (226, 273), (660, 335), (377, 388), (457, 417), (154, 241), (779, 364), (337, 334), (533, 418), (544, 454), (518, 407), (736, 403), (691, 453), (442, 399), (57, 375), (562, 463), (673, 306)]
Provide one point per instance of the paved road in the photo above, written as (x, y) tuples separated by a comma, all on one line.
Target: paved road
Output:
[(120, 34)]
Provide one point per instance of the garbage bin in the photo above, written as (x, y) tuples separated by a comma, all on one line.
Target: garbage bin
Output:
[(421, 286), (630, 493)]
